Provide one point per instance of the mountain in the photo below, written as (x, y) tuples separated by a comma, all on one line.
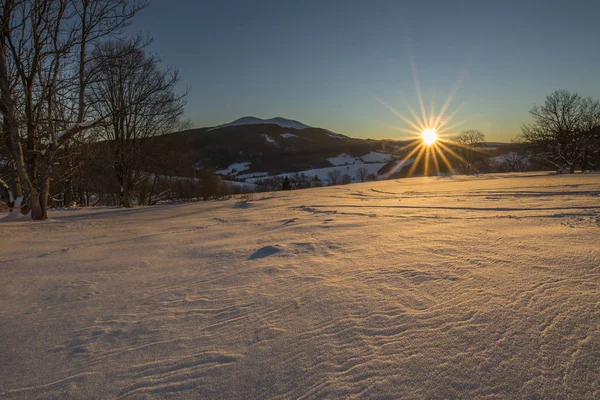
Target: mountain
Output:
[(283, 122), (250, 148), (270, 147)]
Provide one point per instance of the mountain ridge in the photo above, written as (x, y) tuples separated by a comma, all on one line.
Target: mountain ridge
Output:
[(250, 120)]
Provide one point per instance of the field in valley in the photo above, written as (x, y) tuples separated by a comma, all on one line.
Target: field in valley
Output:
[(433, 287)]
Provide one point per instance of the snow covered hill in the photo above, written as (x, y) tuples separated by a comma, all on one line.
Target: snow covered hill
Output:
[(263, 148), (283, 122), (455, 287), (372, 162)]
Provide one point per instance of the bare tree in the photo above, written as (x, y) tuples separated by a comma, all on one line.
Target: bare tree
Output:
[(514, 161), (565, 130), (465, 145), (140, 101), (361, 174), (334, 176), (346, 179), (44, 47)]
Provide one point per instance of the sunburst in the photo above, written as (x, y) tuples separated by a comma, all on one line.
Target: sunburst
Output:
[(429, 132), (429, 136)]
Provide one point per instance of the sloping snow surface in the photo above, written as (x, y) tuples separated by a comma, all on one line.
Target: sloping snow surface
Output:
[(234, 168), (458, 287)]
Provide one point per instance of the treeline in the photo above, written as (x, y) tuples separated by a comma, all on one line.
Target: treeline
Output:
[(80, 103), (300, 180)]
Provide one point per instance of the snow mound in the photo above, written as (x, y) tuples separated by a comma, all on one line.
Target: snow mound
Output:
[(264, 252)]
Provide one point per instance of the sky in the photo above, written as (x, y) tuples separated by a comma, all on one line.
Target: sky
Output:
[(342, 64)]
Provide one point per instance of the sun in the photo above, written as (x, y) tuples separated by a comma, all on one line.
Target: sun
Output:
[(429, 136)]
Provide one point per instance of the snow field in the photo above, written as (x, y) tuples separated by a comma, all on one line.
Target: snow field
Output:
[(458, 287)]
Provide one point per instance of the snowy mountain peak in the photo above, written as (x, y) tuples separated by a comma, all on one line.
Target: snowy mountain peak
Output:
[(283, 122)]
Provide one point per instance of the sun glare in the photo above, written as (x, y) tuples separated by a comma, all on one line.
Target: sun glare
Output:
[(429, 136), (430, 149)]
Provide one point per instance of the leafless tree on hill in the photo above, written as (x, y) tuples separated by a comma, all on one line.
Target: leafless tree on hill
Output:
[(465, 145), (140, 101), (361, 174), (565, 131), (334, 176)]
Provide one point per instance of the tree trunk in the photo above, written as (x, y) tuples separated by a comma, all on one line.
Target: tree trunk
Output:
[(44, 197), (82, 201), (126, 194), (68, 193), (34, 205)]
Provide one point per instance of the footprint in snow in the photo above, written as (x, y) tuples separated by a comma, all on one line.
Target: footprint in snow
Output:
[(243, 205), (264, 252)]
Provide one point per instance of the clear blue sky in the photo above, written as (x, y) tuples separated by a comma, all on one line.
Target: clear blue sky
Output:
[(325, 62)]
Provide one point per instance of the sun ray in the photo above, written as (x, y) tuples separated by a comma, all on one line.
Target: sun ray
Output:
[(426, 160), (411, 144), (466, 147), (448, 130), (406, 158), (422, 124), (396, 113), (447, 162), (405, 130), (418, 89), (430, 130), (448, 119), (413, 167), (431, 112), (452, 152), (434, 151), (455, 86)]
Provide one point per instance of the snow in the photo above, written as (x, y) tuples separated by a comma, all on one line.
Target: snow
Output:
[(242, 185), (504, 157), (323, 173), (342, 159), (270, 140), (234, 168), (344, 163), (375, 156), (288, 135), (372, 157), (335, 135), (486, 148), (454, 287), (18, 200), (83, 125), (283, 122), (499, 159), (253, 175)]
